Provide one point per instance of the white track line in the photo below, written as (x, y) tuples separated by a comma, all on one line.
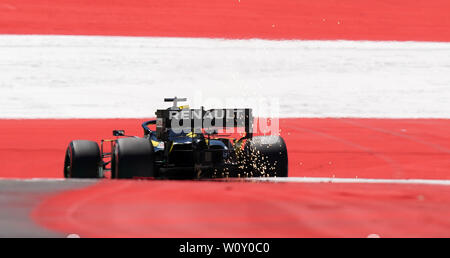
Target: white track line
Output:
[(351, 180), (284, 180)]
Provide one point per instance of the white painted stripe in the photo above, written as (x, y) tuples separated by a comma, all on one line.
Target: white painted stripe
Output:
[(104, 77), (280, 180), (351, 180)]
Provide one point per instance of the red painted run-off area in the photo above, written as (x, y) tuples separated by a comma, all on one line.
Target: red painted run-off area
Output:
[(363, 148), (420, 20), (234, 209), (369, 148)]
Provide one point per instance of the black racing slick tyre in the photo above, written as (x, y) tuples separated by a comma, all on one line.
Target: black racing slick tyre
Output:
[(82, 159), (267, 156), (133, 158)]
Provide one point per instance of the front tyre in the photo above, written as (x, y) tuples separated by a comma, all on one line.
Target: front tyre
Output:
[(82, 159), (133, 157)]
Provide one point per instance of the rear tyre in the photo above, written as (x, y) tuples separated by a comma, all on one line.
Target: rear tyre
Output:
[(82, 159), (133, 157), (267, 156)]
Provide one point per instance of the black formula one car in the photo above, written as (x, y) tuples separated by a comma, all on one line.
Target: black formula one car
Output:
[(187, 144)]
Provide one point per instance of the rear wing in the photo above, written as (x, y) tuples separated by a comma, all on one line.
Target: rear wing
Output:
[(201, 120)]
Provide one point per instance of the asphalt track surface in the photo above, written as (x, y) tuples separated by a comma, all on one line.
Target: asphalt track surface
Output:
[(332, 148), (19, 198)]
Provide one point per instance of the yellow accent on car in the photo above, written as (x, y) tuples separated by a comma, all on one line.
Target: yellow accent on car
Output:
[(191, 134), (184, 107), (155, 143)]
